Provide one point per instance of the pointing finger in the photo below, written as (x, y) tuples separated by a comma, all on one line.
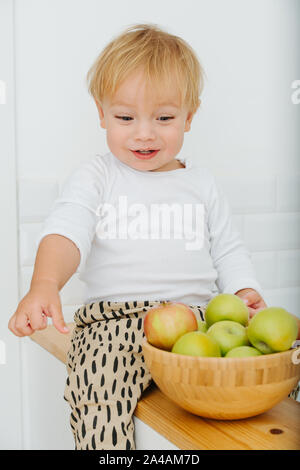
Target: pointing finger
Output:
[(58, 319)]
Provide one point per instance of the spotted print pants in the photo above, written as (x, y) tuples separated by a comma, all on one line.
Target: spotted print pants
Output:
[(107, 373)]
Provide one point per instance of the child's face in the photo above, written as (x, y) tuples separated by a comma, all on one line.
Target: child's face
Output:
[(142, 123)]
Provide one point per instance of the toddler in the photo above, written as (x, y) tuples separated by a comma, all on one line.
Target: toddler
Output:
[(105, 225)]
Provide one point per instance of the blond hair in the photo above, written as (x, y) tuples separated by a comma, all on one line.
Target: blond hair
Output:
[(166, 60)]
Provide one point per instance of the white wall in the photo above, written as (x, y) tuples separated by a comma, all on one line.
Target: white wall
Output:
[(246, 132), (10, 366)]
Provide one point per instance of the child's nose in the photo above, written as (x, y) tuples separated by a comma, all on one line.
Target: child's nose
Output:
[(145, 130)]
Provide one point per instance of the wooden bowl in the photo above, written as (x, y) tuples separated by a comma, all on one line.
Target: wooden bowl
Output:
[(223, 387)]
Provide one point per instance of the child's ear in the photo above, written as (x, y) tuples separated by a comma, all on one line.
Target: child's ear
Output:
[(101, 114), (188, 121)]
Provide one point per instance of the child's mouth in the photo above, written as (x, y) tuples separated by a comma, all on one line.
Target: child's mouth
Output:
[(145, 155)]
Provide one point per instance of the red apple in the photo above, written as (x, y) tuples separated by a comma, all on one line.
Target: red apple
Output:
[(163, 325)]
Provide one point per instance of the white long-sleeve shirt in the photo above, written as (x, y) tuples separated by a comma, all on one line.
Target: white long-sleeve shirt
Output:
[(150, 235)]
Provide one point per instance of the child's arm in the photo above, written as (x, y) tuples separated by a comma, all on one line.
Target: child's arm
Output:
[(230, 257), (56, 261)]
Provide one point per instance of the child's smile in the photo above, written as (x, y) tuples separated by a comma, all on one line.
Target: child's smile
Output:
[(142, 131), (145, 154)]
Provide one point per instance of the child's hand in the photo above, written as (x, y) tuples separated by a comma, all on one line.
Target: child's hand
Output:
[(42, 301), (252, 299)]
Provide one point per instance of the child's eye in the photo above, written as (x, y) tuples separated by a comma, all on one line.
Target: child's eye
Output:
[(128, 118), (165, 118), (125, 118)]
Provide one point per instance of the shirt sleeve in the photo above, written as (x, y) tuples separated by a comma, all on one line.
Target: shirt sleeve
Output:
[(230, 257), (74, 212)]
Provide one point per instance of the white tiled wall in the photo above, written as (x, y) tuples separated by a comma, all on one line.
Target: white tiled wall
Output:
[(266, 211), (270, 211)]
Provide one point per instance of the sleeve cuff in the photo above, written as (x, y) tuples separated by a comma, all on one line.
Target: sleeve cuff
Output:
[(237, 285)]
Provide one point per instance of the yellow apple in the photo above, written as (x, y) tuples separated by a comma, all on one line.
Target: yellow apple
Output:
[(243, 351), (196, 343), (228, 335), (226, 307), (202, 326), (272, 329)]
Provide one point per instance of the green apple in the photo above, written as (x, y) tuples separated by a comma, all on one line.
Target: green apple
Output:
[(202, 326), (272, 329), (196, 343), (243, 351), (228, 334), (226, 307)]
